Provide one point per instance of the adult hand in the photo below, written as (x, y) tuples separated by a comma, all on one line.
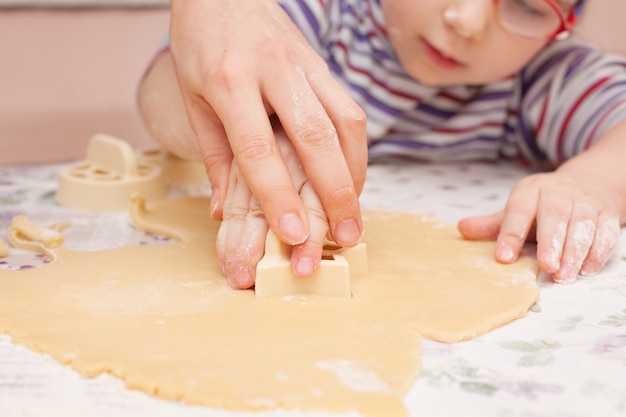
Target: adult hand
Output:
[(241, 237), (239, 62), (574, 220)]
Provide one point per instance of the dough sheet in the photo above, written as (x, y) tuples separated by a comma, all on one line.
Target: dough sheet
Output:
[(163, 319)]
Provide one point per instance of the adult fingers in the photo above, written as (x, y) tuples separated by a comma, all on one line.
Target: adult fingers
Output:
[(254, 147), (214, 149), (316, 138), (305, 257), (349, 121)]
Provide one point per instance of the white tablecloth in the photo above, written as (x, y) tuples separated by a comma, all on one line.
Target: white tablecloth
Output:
[(566, 358)]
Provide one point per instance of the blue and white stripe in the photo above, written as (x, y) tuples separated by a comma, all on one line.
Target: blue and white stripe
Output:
[(556, 107)]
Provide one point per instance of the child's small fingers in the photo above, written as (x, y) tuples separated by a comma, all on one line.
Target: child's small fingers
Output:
[(237, 196), (580, 235), (550, 241), (553, 216), (481, 227), (519, 217), (306, 257), (604, 243), (249, 248), (241, 237)]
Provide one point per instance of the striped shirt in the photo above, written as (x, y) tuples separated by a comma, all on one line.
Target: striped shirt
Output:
[(553, 109)]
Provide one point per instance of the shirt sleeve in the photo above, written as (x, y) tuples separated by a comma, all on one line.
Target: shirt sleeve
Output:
[(310, 16), (570, 95)]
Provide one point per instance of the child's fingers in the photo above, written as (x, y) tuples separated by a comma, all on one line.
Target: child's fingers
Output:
[(248, 248), (306, 257), (604, 243), (519, 216), (554, 213), (580, 235), (241, 237), (481, 227)]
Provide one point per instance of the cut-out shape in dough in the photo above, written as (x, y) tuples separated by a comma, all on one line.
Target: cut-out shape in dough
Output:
[(109, 176), (164, 320), (275, 277)]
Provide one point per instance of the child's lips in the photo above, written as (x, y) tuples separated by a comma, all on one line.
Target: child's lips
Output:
[(439, 57)]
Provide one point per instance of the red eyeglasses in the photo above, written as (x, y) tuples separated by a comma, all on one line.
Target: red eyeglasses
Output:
[(536, 19)]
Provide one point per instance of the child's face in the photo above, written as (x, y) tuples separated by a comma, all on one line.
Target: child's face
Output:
[(450, 42)]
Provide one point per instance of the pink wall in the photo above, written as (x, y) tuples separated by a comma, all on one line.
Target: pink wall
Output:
[(65, 75), (603, 24)]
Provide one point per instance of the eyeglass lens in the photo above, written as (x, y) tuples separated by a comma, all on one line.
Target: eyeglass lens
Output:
[(531, 18)]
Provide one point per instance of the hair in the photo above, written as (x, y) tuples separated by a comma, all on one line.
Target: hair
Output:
[(579, 7)]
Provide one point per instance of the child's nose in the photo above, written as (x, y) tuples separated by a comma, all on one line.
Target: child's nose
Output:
[(469, 18)]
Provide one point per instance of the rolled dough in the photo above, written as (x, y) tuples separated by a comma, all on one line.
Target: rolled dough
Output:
[(164, 320)]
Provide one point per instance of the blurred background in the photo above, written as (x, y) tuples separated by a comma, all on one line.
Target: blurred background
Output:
[(70, 68)]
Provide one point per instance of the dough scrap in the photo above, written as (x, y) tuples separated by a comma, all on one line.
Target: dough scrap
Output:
[(164, 320), (4, 249), (25, 234)]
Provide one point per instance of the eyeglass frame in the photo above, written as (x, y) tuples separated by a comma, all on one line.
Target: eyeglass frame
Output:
[(567, 22)]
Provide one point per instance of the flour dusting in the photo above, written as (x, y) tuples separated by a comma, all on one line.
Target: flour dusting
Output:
[(353, 377), (554, 255)]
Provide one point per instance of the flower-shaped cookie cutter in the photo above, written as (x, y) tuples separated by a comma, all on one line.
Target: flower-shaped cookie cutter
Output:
[(177, 171), (109, 176)]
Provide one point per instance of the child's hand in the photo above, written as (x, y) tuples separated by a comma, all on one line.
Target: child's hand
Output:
[(238, 62), (241, 237), (575, 223)]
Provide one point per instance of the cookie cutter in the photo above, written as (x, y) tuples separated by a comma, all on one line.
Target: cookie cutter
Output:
[(176, 171), (275, 277), (109, 176)]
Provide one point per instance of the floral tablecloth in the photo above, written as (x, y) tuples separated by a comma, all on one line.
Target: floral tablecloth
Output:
[(566, 358)]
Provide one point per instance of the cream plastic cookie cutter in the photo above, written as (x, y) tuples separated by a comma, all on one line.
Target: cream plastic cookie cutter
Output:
[(176, 171), (275, 277), (109, 176)]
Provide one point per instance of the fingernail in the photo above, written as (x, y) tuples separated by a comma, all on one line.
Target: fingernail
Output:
[(241, 279), (566, 275), (347, 232), (506, 254), (292, 228), (564, 280), (304, 267), (215, 202), (588, 270)]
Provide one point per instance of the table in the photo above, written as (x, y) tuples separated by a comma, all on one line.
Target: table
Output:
[(566, 358)]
